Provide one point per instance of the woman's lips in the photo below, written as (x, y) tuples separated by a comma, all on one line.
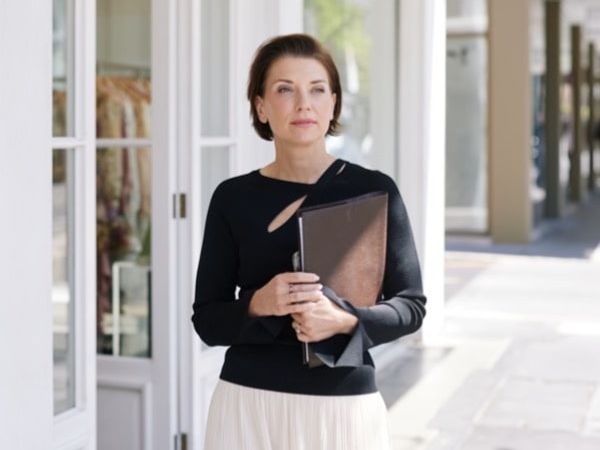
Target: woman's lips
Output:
[(304, 123)]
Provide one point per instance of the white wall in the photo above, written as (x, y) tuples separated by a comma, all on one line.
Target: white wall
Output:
[(26, 226)]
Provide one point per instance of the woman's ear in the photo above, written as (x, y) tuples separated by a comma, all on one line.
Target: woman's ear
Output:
[(260, 109)]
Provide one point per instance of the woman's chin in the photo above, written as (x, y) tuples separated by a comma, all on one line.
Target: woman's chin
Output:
[(302, 138)]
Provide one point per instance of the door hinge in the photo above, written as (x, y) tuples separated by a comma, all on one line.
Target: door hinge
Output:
[(179, 206), (181, 441)]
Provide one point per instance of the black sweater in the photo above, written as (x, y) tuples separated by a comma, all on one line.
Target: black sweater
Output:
[(238, 250)]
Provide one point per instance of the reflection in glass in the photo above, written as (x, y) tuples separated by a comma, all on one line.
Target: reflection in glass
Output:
[(123, 177), (214, 96), (351, 30), (466, 145), (123, 221), (122, 107), (63, 325), (466, 8), (123, 88), (62, 64), (537, 70)]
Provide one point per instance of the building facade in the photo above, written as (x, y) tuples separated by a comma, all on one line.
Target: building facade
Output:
[(118, 120)]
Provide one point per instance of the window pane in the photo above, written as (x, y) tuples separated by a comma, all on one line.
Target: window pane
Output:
[(466, 144), (123, 89), (123, 202), (215, 168), (537, 66), (62, 68), (63, 325), (466, 8), (214, 92), (360, 34), (123, 69)]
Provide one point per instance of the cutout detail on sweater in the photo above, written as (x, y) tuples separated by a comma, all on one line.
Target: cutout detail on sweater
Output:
[(285, 214)]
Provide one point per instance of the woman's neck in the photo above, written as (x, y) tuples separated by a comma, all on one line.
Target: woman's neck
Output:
[(299, 164), (301, 169)]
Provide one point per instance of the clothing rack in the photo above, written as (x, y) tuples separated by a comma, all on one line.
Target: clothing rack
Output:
[(136, 70)]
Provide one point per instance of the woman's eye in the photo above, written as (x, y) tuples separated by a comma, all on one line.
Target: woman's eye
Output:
[(319, 90), (283, 89)]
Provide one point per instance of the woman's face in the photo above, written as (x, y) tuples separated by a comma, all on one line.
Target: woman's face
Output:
[(297, 103)]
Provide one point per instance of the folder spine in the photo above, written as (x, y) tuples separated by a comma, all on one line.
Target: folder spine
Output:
[(298, 264)]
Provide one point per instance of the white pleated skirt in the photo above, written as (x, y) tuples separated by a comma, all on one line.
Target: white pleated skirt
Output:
[(245, 418)]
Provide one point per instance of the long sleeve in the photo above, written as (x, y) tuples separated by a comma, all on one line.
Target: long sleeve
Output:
[(219, 318), (402, 307)]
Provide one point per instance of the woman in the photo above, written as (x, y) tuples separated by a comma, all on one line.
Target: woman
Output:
[(265, 397)]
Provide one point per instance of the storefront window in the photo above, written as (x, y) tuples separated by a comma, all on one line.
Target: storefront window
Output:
[(466, 117), (62, 68), (567, 127), (361, 35), (469, 9), (216, 138), (124, 166), (537, 68), (63, 211), (466, 134), (214, 94), (63, 324)]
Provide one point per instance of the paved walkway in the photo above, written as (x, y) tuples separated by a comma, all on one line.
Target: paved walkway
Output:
[(518, 364)]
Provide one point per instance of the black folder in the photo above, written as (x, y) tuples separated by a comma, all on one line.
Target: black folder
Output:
[(344, 242)]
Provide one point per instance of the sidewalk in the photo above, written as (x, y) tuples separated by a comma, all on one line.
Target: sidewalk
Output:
[(518, 364)]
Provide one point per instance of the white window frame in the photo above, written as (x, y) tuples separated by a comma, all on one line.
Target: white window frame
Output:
[(76, 427)]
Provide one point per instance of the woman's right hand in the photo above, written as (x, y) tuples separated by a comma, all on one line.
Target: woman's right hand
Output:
[(286, 293)]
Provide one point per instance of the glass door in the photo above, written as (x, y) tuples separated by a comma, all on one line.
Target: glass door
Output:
[(361, 36), (136, 298), (207, 155)]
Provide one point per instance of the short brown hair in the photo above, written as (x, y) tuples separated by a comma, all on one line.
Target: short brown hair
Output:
[(298, 45)]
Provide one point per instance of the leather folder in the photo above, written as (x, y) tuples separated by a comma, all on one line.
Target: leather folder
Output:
[(344, 242)]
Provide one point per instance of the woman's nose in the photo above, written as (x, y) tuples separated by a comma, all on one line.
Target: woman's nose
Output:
[(302, 100)]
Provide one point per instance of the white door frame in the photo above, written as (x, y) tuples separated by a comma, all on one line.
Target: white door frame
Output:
[(420, 157)]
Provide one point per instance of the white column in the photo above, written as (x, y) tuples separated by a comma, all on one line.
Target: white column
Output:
[(421, 122), (26, 392)]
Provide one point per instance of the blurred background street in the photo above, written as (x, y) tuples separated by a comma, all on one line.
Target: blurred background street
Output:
[(518, 363)]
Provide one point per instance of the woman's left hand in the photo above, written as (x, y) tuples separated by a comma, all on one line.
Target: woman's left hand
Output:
[(322, 320)]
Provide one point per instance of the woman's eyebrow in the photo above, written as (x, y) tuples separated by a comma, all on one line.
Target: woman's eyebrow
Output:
[(291, 82)]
